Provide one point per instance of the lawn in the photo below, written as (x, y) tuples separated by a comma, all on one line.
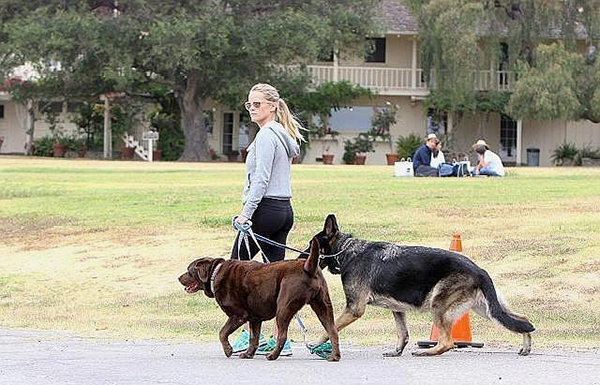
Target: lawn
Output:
[(95, 247)]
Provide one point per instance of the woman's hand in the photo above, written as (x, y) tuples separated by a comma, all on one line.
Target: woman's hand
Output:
[(241, 219)]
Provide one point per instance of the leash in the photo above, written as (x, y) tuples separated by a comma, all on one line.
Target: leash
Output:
[(323, 350), (244, 231)]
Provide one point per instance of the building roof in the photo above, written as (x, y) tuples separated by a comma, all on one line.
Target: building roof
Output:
[(398, 19)]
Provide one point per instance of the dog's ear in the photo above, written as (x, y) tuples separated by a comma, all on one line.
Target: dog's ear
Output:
[(203, 267), (331, 227)]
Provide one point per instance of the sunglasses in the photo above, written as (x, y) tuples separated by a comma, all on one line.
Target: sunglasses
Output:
[(256, 105)]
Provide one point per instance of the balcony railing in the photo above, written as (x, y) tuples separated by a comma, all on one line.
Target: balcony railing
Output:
[(403, 80)]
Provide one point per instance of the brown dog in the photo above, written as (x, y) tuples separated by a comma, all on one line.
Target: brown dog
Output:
[(250, 291)]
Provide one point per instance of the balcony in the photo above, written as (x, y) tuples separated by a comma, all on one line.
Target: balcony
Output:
[(404, 81)]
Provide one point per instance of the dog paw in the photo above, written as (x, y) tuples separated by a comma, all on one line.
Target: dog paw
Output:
[(421, 353), (333, 358), (228, 350), (393, 353), (524, 352), (272, 356), (245, 355)]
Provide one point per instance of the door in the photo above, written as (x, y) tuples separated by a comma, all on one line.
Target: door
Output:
[(508, 139)]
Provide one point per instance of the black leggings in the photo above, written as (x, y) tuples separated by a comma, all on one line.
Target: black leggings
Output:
[(272, 219)]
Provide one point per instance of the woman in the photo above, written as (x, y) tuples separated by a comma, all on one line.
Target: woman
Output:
[(267, 191), (489, 163), (437, 156)]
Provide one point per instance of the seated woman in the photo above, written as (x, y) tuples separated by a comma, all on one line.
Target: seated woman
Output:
[(437, 156), (490, 163)]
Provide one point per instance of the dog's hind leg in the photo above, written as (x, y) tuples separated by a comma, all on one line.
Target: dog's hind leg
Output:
[(402, 332), (481, 308), (450, 299), (232, 324), (321, 305), (254, 337)]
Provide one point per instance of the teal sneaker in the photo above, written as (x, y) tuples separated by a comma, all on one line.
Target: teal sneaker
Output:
[(272, 344), (243, 341)]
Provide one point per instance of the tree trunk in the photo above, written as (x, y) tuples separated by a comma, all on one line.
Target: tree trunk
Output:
[(31, 127), (192, 122)]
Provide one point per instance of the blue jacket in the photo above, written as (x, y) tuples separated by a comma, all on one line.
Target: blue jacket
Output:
[(422, 157)]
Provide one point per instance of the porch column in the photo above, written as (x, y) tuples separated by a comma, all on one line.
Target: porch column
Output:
[(107, 130), (519, 140), (450, 122), (414, 63), (335, 65)]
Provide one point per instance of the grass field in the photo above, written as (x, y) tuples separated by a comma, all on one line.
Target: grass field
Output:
[(95, 247)]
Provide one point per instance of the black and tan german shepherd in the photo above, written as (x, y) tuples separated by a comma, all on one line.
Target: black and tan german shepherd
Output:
[(402, 278)]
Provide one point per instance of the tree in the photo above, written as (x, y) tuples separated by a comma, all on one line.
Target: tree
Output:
[(202, 50), (554, 82)]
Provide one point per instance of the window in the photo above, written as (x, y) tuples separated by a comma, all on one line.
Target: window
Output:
[(73, 107), (437, 121), (375, 50), (1, 111), (508, 137), (325, 55), (52, 107), (209, 121), (227, 132), (351, 119), (244, 137)]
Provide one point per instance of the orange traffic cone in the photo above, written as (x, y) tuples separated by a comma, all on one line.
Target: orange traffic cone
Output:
[(461, 329)]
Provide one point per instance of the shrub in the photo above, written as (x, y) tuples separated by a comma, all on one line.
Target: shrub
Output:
[(407, 145), (564, 152)]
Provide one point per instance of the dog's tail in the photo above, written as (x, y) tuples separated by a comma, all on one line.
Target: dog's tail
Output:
[(499, 312), (312, 262)]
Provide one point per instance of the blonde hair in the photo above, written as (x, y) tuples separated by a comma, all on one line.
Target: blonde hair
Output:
[(282, 113)]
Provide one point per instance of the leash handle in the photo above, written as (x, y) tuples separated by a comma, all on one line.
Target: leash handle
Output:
[(243, 231)]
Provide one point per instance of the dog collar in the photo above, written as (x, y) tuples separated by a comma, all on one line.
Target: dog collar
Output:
[(213, 277)]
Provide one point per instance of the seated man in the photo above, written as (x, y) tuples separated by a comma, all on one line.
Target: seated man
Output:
[(490, 163), (422, 157)]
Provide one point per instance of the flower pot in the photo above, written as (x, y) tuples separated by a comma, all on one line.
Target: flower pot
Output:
[(156, 155), (360, 159), (327, 158), (58, 150), (590, 162), (127, 152), (392, 158)]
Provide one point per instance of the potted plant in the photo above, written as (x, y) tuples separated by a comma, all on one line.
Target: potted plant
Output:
[(232, 155), (564, 154), (327, 157), (382, 120), (355, 151), (244, 152), (589, 157), (59, 145), (127, 152)]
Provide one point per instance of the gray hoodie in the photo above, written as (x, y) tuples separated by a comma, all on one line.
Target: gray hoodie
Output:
[(268, 166)]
